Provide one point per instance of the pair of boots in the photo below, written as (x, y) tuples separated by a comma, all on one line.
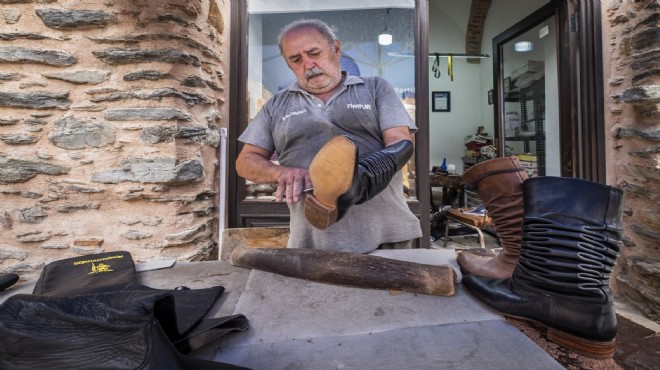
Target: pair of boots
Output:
[(560, 240)]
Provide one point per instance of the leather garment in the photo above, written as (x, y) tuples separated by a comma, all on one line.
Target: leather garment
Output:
[(90, 312)]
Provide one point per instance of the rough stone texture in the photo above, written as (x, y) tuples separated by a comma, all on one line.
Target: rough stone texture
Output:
[(130, 56), (70, 133), (11, 15), (631, 43), (475, 28), (130, 163), (69, 19), (153, 170), (35, 100), (146, 114), (80, 77), (13, 170), (10, 54)]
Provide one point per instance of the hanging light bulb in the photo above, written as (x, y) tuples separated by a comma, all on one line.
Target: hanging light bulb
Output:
[(385, 38)]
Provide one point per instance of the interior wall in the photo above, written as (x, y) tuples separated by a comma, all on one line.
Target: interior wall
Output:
[(469, 100), (447, 26)]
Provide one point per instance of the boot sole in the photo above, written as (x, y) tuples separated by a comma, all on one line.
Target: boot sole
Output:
[(582, 346), (331, 173)]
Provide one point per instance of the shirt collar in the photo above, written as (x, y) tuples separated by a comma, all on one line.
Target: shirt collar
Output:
[(346, 81)]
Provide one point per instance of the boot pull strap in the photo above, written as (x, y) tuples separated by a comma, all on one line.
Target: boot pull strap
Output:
[(491, 173)]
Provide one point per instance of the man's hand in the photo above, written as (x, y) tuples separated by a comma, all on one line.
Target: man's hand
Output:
[(253, 163), (291, 183)]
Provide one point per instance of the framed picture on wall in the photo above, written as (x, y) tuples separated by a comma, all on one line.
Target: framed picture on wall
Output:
[(440, 101), (490, 96)]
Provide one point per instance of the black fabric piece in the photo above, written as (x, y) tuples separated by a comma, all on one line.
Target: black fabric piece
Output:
[(211, 330), (114, 330), (90, 312), (7, 280)]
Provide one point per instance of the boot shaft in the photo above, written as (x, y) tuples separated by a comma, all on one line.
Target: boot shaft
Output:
[(498, 183), (490, 173), (571, 238)]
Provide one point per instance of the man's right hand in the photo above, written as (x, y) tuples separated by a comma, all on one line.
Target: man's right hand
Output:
[(253, 163), (291, 183)]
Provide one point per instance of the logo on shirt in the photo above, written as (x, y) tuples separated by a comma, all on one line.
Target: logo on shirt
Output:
[(359, 106), (294, 114)]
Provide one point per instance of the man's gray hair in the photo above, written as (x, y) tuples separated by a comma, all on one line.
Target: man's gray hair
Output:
[(316, 24)]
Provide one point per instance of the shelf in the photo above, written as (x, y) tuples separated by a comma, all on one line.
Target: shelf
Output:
[(525, 138)]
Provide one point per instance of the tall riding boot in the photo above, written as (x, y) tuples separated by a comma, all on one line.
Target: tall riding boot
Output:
[(341, 181), (570, 242), (498, 183)]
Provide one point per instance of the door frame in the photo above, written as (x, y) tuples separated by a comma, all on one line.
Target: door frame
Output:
[(581, 102)]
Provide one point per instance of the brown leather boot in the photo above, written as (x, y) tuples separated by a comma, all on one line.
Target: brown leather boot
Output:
[(340, 181), (498, 183), (332, 172)]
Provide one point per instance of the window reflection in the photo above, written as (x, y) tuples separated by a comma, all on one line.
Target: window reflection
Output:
[(531, 116), (362, 55)]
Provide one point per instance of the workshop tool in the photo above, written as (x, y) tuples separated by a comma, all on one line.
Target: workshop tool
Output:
[(349, 269)]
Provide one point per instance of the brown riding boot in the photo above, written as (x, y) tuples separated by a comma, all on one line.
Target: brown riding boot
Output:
[(498, 183)]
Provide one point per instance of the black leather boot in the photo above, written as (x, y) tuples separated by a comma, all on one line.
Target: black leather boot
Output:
[(341, 181), (571, 238)]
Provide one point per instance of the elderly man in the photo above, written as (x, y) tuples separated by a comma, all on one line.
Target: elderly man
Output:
[(341, 142)]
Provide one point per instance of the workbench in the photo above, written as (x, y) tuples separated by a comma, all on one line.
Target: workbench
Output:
[(298, 324)]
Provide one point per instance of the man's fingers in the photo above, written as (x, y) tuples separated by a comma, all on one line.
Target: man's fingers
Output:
[(298, 187), (291, 184), (279, 193)]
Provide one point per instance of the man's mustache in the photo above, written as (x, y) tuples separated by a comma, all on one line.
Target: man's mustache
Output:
[(313, 72)]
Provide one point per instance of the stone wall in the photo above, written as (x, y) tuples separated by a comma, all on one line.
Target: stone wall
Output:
[(632, 80), (110, 116)]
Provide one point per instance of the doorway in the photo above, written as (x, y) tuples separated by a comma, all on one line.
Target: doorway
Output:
[(469, 94), (258, 71)]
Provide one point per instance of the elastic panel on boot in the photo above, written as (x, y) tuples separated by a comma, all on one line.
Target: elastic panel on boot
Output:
[(378, 169), (571, 237)]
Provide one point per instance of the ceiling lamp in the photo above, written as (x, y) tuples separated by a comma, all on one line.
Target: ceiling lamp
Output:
[(385, 38), (523, 46)]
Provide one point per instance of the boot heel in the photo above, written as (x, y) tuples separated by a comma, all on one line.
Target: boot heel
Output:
[(318, 214), (585, 347)]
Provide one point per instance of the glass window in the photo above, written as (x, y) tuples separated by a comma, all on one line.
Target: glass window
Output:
[(360, 25), (531, 108)]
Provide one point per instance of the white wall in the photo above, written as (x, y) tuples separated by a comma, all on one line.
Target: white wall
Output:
[(447, 130)]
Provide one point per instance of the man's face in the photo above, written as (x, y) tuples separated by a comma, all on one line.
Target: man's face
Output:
[(314, 62)]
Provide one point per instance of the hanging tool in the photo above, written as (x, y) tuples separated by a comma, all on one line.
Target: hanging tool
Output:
[(436, 66), (450, 67)]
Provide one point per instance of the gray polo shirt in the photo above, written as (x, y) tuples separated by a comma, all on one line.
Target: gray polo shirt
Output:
[(296, 124)]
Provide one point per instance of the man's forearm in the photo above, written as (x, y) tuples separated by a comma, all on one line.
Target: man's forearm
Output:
[(256, 168)]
